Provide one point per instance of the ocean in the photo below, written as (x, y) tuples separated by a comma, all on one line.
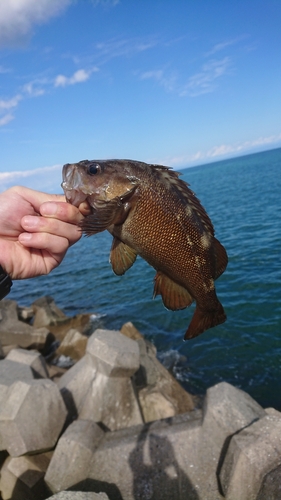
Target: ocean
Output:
[(243, 198)]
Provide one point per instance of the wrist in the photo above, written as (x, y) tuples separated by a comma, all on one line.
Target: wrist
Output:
[(5, 283)]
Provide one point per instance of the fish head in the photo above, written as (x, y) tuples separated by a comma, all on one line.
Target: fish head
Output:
[(97, 180)]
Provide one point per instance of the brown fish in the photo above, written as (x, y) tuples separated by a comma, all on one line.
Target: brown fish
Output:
[(151, 212)]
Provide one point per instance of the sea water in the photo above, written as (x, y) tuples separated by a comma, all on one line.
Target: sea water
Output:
[(243, 198)]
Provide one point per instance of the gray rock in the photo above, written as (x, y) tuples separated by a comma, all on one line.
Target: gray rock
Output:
[(31, 358), (271, 485), (2, 355), (112, 401), (131, 331), (25, 313), (254, 454), (8, 311), (148, 373), (73, 345), (71, 460), (158, 461), (22, 478), (160, 395), (25, 336), (19, 333), (113, 354), (32, 417), (75, 385), (228, 409), (78, 495), (11, 371), (48, 314)]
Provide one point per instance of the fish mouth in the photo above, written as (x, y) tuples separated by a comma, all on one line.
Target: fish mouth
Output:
[(75, 189), (74, 196)]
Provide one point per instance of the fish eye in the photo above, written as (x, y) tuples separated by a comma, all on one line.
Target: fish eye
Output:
[(93, 169)]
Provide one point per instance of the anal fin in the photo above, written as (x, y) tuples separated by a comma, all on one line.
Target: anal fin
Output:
[(122, 257), (174, 296)]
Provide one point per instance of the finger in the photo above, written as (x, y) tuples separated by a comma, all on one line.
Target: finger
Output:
[(55, 245), (51, 226), (85, 208), (61, 210), (36, 198)]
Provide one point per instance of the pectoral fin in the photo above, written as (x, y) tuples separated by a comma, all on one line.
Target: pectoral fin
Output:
[(174, 296), (122, 257), (105, 213)]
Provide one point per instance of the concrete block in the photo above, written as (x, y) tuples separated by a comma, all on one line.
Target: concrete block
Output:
[(8, 311), (25, 336), (114, 354), (131, 331), (25, 313), (155, 405), (271, 485), (71, 460), (2, 355), (160, 395), (75, 384), (19, 333), (32, 417), (22, 478), (254, 454), (227, 410), (78, 495), (11, 371), (158, 460), (46, 311), (31, 358), (112, 401), (48, 314), (73, 345)]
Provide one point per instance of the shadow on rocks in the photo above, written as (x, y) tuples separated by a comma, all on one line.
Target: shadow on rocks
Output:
[(95, 486), (156, 472)]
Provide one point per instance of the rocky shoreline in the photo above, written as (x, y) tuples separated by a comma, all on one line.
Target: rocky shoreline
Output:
[(116, 424)]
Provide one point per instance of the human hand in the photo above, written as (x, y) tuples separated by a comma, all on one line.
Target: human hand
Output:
[(36, 229)]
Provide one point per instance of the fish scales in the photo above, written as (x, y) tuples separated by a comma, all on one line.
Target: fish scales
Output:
[(152, 213)]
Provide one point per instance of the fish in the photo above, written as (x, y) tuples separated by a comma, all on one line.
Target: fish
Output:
[(153, 213)]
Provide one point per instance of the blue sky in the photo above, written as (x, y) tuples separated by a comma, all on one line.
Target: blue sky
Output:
[(176, 82)]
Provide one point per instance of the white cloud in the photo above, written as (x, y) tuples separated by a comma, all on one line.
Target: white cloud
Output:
[(10, 103), (105, 3), (33, 90), (6, 119), (227, 43), (205, 81), (6, 105), (48, 177), (79, 76), (161, 77), (17, 17), (220, 152)]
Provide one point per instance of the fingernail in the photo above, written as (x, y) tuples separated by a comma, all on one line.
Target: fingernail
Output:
[(30, 222), (25, 237), (48, 208)]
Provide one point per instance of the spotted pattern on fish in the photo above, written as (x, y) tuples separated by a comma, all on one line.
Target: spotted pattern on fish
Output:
[(151, 212)]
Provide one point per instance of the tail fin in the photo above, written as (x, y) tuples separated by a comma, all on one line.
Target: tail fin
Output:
[(203, 320)]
